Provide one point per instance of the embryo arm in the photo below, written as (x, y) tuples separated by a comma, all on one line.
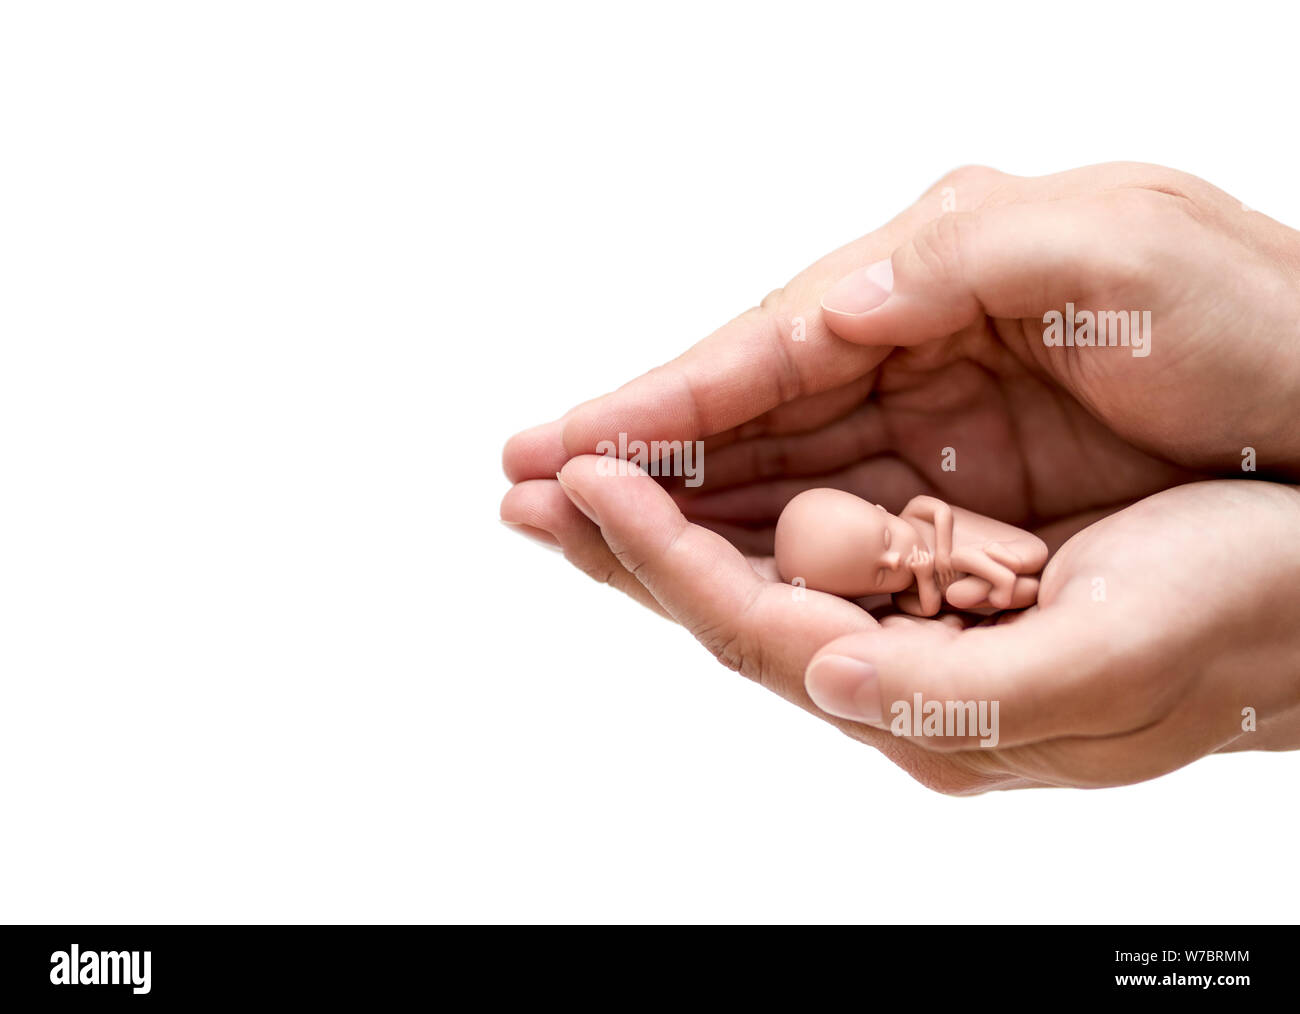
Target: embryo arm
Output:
[(939, 514)]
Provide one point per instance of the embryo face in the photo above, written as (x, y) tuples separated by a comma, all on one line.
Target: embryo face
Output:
[(839, 543), (889, 541)]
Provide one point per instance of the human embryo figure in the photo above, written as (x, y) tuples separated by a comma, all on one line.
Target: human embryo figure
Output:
[(930, 553)]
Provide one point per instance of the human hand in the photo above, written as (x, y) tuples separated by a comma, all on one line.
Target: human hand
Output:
[(779, 415), (1156, 627), (1217, 280), (975, 403)]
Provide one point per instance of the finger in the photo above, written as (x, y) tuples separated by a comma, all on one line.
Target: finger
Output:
[(536, 453), (885, 480), (540, 452), (802, 415), (1049, 674), (752, 625), (771, 355), (861, 434), (539, 509), (1012, 261), (747, 368)]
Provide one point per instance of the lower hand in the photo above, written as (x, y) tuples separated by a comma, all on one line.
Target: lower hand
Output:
[(1156, 627), (1160, 631)]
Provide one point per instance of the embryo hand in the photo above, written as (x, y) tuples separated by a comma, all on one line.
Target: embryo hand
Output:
[(953, 360)]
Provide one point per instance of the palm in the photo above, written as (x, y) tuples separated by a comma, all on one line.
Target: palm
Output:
[(1112, 582), (964, 420)]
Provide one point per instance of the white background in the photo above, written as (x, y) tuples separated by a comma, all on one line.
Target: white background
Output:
[(278, 280)]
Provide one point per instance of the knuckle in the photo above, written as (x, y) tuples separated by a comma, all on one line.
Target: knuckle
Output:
[(779, 328), (600, 571), (774, 322), (727, 646), (1150, 228), (938, 246), (730, 641), (773, 300), (632, 563), (1144, 208), (1171, 182), (966, 186), (972, 179)]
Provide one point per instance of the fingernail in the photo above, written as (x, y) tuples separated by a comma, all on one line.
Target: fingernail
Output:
[(578, 501), (861, 291), (537, 534), (846, 687)]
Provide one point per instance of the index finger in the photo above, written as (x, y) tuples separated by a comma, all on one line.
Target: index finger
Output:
[(766, 357)]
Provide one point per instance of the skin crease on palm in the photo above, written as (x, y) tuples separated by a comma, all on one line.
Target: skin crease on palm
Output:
[(1096, 450)]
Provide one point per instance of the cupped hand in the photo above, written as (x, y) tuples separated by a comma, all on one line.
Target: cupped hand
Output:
[(971, 406), (945, 386), (1162, 633)]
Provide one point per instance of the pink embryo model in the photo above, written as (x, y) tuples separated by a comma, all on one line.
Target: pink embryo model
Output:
[(929, 554)]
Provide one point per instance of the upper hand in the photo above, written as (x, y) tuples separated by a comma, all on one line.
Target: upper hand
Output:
[(1036, 433)]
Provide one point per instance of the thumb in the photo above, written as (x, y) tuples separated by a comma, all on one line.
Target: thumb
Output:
[(1038, 677), (1014, 261)]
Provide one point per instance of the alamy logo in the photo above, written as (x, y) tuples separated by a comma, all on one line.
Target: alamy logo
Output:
[(1130, 329), (919, 717), (101, 968), (658, 457)]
